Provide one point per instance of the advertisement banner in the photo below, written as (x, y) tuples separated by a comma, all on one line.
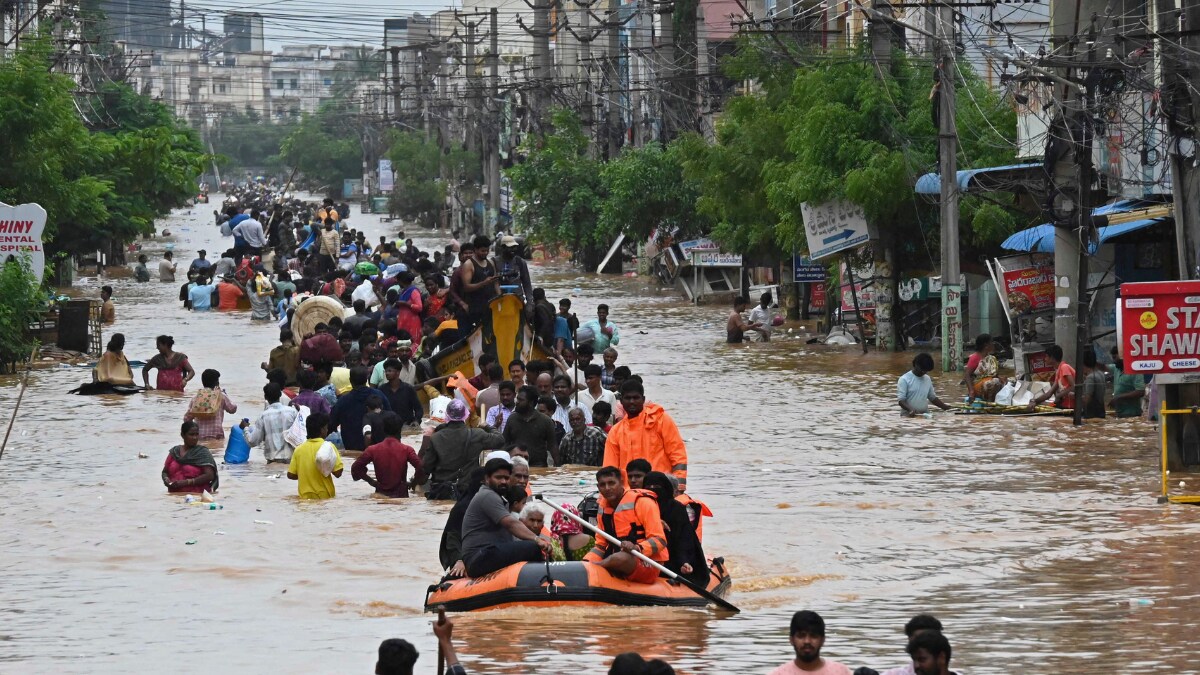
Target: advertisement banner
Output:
[(864, 287), (1030, 288), (1038, 363), (1158, 324), (387, 179), (686, 247), (816, 298)]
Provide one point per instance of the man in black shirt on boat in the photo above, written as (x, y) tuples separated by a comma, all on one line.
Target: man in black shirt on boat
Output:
[(492, 536)]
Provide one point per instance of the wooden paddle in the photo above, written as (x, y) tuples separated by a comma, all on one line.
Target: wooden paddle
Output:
[(702, 592)]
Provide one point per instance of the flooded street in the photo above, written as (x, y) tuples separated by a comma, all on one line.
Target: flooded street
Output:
[(1034, 542)]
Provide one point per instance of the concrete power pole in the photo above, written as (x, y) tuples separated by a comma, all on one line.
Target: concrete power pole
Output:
[(666, 75), (395, 81), (703, 68), (541, 64), (587, 110), (492, 126), (948, 169), (1179, 72), (637, 75), (614, 131), (883, 40)]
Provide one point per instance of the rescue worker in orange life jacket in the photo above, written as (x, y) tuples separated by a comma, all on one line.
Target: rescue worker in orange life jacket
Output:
[(633, 517), (696, 509)]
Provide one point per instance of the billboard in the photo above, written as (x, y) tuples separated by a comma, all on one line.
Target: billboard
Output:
[(21, 230), (1158, 324), (1027, 284), (387, 179)]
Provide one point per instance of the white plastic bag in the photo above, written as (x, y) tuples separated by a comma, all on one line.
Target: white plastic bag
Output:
[(326, 458), (298, 432), (1005, 395)]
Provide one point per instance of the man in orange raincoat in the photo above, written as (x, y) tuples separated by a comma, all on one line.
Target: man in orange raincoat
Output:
[(648, 433)]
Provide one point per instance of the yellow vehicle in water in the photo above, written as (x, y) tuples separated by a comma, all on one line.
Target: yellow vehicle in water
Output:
[(504, 333)]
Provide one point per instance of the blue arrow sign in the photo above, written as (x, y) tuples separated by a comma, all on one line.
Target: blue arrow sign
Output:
[(844, 234)]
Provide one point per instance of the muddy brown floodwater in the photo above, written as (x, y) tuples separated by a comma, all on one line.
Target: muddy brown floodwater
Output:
[(1028, 538)]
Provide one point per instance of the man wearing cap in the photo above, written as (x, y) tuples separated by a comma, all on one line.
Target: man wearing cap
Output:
[(514, 271), (453, 449), (199, 264)]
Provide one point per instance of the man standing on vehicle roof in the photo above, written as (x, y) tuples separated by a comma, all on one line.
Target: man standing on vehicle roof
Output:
[(514, 271)]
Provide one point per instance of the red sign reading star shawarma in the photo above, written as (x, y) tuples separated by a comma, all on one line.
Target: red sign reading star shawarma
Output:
[(1159, 326)]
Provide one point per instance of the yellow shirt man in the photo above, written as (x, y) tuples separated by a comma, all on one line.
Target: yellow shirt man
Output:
[(312, 483)]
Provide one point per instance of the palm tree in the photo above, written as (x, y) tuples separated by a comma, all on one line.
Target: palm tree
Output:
[(364, 64)]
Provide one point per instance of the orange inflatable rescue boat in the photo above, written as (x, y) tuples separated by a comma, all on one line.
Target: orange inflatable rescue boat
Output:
[(539, 584)]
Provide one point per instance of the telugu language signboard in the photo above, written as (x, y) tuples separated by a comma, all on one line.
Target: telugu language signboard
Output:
[(832, 227), (1030, 288), (1158, 324), (21, 230), (709, 258), (805, 272)]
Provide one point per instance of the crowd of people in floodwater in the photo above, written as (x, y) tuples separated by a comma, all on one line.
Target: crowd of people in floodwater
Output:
[(352, 384)]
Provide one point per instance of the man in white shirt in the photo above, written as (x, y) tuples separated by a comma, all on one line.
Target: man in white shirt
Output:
[(498, 416), (761, 315), (271, 426), (166, 267), (251, 232), (562, 390), (595, 391)]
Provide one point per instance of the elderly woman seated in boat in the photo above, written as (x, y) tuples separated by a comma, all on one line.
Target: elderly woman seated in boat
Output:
[(113, 367), (533, 517), (190, 467)]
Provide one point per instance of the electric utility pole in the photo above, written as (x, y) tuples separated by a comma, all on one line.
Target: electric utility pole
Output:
[(948, 170)]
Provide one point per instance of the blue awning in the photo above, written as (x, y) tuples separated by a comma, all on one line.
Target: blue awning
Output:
[(1040, 238), (996, 178)]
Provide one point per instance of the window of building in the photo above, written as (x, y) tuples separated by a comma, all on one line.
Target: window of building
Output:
[(220, 89), (295, 83), (328, 81), (279, 83)]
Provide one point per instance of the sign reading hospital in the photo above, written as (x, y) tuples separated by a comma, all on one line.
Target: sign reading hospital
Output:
[(1158, 325), (21, 230)]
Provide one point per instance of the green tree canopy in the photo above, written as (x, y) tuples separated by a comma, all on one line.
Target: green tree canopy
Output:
[(106, 183), (326, 147), (840, 127), (419, 167)]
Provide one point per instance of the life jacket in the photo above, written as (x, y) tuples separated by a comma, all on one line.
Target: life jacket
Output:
[(469, 393), (696, 512), (624, 523)]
